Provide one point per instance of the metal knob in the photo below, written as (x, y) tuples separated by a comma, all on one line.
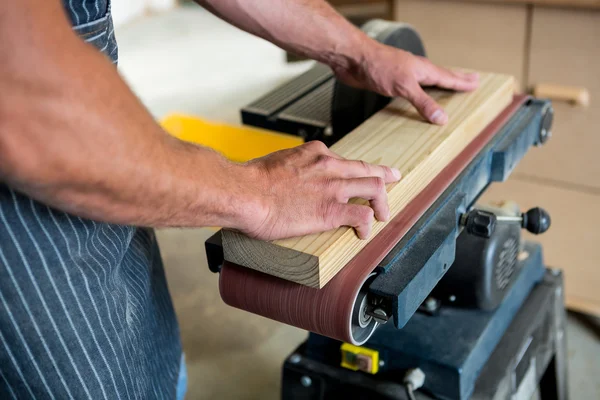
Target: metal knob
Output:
[(479, 223)]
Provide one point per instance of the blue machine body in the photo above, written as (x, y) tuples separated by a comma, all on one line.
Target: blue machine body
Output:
[(453, 346), (408, 274)]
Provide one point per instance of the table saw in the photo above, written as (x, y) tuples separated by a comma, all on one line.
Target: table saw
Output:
[(461, 307)]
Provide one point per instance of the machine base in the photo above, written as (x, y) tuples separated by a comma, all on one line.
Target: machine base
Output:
[(529, 356)]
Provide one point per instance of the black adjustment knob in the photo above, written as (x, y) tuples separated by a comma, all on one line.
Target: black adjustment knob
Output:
[(480, 223), (537, 220)]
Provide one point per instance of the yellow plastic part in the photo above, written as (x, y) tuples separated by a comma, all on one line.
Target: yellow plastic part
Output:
[(238, 143), (360, 358)]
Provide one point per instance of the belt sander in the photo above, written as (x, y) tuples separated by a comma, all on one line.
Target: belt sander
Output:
[(442, 251)]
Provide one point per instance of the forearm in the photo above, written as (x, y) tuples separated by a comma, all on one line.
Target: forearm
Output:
[(310, 28), (314, 29), (73, 136)]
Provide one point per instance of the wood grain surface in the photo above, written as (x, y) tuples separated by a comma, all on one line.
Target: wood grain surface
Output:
[(398, 137), (328, 311)]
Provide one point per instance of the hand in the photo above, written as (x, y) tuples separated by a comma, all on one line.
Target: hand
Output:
[(306, 190), (393, 72)]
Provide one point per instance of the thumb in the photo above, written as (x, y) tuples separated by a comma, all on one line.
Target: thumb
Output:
[(426, 105)]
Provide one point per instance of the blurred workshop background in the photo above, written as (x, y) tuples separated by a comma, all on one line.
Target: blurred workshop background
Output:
[(179, 58)]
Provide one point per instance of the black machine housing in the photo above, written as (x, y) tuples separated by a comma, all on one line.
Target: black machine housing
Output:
[(483, 270), (316, 106)]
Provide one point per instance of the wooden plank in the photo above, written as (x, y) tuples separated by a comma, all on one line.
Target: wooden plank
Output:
[(571, 243), (398, 137), (486, 37)]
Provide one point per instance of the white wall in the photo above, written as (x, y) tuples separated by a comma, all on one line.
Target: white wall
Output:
[(126, 10)]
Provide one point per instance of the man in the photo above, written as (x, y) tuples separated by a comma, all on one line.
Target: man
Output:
[(84, 306)]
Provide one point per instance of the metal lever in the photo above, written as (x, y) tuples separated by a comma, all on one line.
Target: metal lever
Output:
[(536, 220), (482, 223)]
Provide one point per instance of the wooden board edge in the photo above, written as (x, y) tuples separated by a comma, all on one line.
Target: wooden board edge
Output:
[(308, 271)]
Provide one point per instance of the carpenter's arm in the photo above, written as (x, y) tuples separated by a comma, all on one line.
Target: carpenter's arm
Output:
[(314, 29), (74, 136)]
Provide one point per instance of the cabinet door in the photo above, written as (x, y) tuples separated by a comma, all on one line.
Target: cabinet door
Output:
[(565, 49), (482, 36)]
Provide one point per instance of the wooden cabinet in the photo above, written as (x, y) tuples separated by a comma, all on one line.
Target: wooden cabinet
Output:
[(537, 44), (565, 49), (564, 175), (486, 37)]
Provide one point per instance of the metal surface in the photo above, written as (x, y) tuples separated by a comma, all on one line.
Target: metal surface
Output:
[(315, 106), (264, 112), (362, 325), (532, 349)]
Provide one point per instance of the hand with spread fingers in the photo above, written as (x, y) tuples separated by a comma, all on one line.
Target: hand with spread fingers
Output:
[(397, 73), (307, 190)]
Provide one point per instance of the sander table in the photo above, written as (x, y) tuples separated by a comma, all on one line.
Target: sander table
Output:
[(461, 300)]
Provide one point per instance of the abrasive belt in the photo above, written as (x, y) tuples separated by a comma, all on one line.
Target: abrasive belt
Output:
[(328, 311)]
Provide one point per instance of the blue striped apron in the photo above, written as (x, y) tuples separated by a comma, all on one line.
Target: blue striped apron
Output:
[(85, 312)]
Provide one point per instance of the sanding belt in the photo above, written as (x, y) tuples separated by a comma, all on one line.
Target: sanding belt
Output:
[(328, 311)]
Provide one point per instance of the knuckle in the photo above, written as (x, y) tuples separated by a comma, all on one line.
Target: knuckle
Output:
[(404, 80), (406, 89), (333, 186), (391, 90), (330, 215), (324, 161), (378, 184), (364, 164), (341, 194), (315, 145), (425, 102), (366, 215)]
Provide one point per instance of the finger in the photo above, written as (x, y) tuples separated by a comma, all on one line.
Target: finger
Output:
[(361, 169), (425, 105), (372, 189), (469, 76), (447, 79), (356, 216)]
